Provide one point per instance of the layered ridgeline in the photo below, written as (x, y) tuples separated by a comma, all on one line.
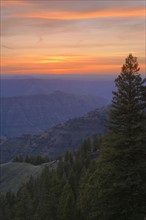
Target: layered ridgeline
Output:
[(87, 84), (57, 140), (110, 185), (33, 114)]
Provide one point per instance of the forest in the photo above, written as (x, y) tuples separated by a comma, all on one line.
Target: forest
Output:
[(106, 178)]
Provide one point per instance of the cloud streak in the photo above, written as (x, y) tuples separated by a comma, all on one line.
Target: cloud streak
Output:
[(8, 3), (63, 37), (65, 15)]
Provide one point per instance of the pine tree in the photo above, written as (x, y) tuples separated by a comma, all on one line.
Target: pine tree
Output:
[(128, 103), (66, 206), (119, 182), (123, 161)]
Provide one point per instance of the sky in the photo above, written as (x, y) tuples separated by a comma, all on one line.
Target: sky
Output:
[(71, 37)]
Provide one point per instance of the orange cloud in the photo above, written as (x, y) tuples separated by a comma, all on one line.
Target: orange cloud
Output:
[(45, 69), (73, 15), (66, 64), (16, 3), (61, 59), (66, 15)]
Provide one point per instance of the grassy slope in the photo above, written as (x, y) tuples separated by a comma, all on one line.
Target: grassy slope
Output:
[(13, 175)]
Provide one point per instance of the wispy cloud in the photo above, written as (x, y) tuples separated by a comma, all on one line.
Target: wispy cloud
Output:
[(7, 47), (8, 3), (57, 36), (73, 15)]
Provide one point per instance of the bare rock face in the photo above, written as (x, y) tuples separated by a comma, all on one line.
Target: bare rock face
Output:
[(57, 140)]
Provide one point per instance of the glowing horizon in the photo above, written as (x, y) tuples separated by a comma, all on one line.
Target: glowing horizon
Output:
[(59, 37)]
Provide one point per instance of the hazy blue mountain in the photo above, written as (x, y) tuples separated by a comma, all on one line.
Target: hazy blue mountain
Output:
[(57, 140), (101, 86), (35, 113)]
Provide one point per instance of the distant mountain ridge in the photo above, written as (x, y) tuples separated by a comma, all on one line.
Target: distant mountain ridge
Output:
[(34, 114), (102, 86), (57, 140)]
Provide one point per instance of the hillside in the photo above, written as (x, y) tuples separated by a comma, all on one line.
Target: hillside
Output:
[(13, 175), (34, 114), (56, 140)]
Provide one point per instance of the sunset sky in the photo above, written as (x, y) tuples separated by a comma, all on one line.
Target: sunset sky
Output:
[(64, 37)]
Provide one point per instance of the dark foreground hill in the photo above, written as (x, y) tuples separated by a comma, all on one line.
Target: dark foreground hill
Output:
[(56, 140), (36, 113), (13, 175)]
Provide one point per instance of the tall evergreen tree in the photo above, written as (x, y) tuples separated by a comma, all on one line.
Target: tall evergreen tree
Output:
[(119, 182), (111, 188), (123, 162), (128, 103), (66, 205)]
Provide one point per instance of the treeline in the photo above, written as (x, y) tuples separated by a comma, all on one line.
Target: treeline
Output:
[(109, 186), (56, 193), (35, 160)]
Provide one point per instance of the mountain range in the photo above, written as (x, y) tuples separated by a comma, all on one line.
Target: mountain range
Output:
[(24, 86), (35, 113), (57, 140)]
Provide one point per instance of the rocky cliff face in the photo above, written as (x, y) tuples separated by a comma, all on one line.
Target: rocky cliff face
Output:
[(57, 140), (34, 114)]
